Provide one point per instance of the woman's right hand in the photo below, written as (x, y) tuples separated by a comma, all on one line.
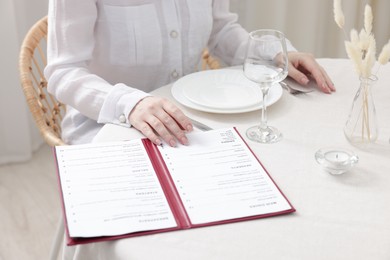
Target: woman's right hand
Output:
[(159, 118)]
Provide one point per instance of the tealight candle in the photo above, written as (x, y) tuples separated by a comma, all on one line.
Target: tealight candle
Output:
[(337, 157), (335, 160)]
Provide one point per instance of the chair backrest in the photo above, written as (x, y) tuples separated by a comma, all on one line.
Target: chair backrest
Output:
[(209, 62), (46, 110)]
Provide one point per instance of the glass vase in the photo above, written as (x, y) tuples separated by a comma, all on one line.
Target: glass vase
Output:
[(361, 128)]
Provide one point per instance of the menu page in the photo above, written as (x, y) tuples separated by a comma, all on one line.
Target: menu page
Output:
[(111, 189), (219, 178)]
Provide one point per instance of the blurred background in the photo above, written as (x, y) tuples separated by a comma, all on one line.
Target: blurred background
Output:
[(309, 24)]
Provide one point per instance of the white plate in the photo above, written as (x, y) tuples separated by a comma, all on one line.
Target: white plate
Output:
[(221, 95), (220, 89)]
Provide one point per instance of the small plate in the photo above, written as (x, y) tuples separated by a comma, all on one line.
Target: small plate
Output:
[(336, 160)]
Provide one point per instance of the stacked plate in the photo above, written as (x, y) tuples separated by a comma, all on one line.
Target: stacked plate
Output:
[(222, 91)]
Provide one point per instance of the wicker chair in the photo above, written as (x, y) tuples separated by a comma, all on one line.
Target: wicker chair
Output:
[(46, 110), (209, 62)]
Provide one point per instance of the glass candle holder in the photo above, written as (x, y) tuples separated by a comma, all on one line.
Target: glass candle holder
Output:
[(336, 160)]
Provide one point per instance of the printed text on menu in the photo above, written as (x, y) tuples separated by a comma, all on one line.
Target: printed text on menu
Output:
[(111, 189), (219, 178)]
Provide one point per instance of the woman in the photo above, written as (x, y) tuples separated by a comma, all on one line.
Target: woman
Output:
[(104, 56)]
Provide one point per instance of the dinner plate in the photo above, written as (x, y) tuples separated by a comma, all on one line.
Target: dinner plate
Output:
[(222, 91)]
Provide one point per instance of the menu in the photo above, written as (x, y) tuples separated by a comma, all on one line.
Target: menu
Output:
[(130, 188)]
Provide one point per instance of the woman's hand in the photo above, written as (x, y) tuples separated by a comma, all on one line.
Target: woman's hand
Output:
[(158, 118), (303, 65)]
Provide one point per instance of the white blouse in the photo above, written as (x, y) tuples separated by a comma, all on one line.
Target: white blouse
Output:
[(106, 55)]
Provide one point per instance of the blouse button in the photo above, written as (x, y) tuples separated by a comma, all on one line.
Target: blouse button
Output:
[(122, 119), (174, 74), (173, 34)]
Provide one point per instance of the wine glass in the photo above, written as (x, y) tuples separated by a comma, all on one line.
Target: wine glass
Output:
[(266, 63)]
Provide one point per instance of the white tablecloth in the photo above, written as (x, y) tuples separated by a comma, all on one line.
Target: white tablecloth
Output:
[(338, 217)]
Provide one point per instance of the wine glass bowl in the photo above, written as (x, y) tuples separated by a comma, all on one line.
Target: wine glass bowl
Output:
[(266, 63)]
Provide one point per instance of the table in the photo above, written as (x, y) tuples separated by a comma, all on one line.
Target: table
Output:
[(338, 217)]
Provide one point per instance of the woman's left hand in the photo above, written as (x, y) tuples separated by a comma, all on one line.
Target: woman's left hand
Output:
[(303, 65)]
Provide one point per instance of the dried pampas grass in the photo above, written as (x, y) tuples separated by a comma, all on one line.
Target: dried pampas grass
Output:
[(361, 48), (384, 56), (338, 13)]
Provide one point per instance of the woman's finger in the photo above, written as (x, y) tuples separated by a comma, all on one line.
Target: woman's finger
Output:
[(158, 118)]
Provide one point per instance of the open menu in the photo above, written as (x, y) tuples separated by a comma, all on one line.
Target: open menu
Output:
[(131, 188)]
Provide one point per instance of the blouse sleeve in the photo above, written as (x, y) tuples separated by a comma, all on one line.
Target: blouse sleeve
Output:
[(71, 44), (228, 39)]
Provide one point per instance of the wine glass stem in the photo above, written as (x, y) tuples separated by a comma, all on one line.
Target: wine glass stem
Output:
[(264, 119)]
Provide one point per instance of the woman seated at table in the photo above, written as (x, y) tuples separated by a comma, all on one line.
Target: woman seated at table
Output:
[(104, 56)]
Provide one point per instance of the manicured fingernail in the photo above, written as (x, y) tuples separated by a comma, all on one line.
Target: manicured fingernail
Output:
[(184, 140), (326, 88), (305, 80), (172, 143), (332, 87), (189, 128), (157, 142)]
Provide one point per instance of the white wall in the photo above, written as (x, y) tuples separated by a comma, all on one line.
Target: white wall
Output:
[(27, 12), (18, 134), (309, 24)]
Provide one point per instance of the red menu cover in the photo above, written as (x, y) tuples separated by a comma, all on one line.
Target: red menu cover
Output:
[(130, 188)]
